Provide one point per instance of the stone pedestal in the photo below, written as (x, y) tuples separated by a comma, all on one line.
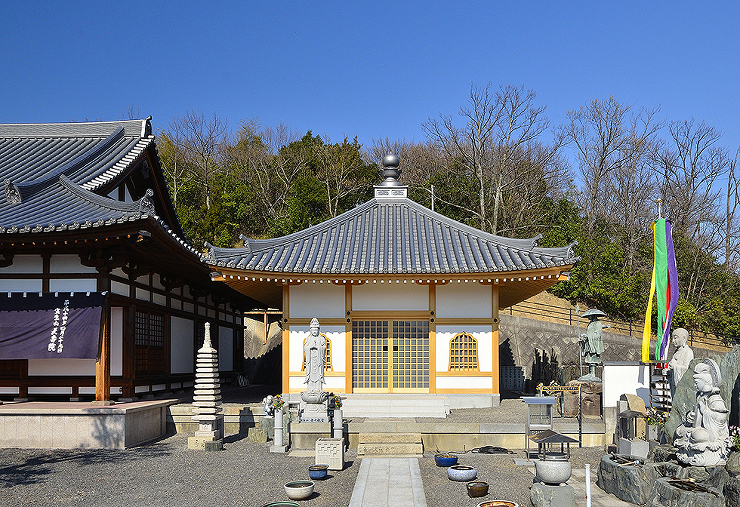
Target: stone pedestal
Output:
[(314, 412), (590, 399), (338, 424), (638, 448), (278, 445), (544, 495), (257, 435), (330, 451)]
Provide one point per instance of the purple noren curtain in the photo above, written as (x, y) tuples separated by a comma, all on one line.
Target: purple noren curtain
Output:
[(50, 325)]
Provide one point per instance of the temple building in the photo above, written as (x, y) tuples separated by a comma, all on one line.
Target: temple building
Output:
[(408, 299), (100, 292)]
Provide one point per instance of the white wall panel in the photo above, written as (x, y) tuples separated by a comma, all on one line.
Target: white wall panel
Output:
[(25, 264), (20, 285), (309, 300), (482, 383), (464, 300), (119, 288), (73, 285), (182, 345), (43, 367), (225, 348), (484, 336), (68, 264), (295, 352), (390, 296), (338, 346), (335, 384), (116, 341)]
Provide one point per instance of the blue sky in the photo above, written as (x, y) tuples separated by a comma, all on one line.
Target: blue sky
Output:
[(365, 69)]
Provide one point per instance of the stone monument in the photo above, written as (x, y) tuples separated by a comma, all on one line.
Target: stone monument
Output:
[(592, 344), (702, 440), (682, 356), (314, 397), (207, 399)]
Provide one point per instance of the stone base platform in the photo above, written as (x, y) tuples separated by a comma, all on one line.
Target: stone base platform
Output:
[(73, 425)]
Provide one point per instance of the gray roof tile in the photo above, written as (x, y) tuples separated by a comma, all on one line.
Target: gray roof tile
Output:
[(383, 236)]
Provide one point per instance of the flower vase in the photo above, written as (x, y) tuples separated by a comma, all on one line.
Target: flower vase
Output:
[(652, 432)]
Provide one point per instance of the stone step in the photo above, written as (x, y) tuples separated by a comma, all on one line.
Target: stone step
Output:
[(380, 438), (390, 449), (390, 444), (395, 405)]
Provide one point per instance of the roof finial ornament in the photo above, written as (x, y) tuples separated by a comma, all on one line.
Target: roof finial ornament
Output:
[(12, 194), (390, 171)]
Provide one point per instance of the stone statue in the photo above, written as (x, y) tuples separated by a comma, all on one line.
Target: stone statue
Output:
[(267, 406), (314, 351), (592, 344), (682, 356), (702, 440)]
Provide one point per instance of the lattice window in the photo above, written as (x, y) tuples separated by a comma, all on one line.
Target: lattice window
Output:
[(149, 343), (411, 354), (327, 359), (463, 352)]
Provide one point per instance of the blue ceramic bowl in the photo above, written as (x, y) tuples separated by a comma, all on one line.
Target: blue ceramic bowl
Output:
[(445, 460), (317, 471)]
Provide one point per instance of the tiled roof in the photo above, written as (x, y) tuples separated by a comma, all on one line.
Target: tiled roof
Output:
[(390, 236), (50, 174)]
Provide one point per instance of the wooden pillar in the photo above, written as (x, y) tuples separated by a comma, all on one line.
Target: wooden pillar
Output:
[(432, 338), (286, 334), (102, 366), (495, 367), (348, 338)]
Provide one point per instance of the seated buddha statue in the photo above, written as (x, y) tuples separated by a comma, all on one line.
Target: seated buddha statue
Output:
[(702, 439)]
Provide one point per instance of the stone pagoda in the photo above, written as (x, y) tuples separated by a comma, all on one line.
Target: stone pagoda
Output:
[(207, 399)]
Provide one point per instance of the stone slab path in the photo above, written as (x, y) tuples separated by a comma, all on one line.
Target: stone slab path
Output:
[(382, 482)]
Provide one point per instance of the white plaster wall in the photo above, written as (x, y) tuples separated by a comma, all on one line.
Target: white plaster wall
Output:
[(295, 349), (484, 336), (182, 345), (25, 264), (338, 347), (623, 377), (225, 348), (390, 296), (334, 384), (464, 300), (482, 383), (68, 264), (309, 300), (43, 367), (20, 285), (116, 341), (296, 383), (119, 288), (73, 285)]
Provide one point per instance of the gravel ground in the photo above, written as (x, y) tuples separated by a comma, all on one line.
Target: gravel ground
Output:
[(166, 473)]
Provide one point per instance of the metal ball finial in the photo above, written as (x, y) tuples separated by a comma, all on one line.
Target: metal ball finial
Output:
[(390, 171), (390, 160)]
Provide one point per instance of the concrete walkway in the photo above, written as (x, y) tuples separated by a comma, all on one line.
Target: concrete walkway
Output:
[(388, 481)]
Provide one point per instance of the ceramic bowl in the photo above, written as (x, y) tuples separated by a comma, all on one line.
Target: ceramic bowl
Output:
[(317, 471), (299, 490), (477, 488), (445, 460), (462, 473), (497, 503), (553, 471)]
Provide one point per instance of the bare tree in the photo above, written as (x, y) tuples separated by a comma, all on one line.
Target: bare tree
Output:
[(201, 141), (497, 126), (176, 169)]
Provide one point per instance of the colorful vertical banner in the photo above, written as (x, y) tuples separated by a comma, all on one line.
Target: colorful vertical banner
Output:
[(664, 286)]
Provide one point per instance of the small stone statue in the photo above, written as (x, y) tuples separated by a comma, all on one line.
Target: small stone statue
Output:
[(592, 344), (682, 356), (702, 440), (267, 406)]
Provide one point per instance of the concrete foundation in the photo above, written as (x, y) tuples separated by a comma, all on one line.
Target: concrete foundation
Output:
[(73, 425)]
